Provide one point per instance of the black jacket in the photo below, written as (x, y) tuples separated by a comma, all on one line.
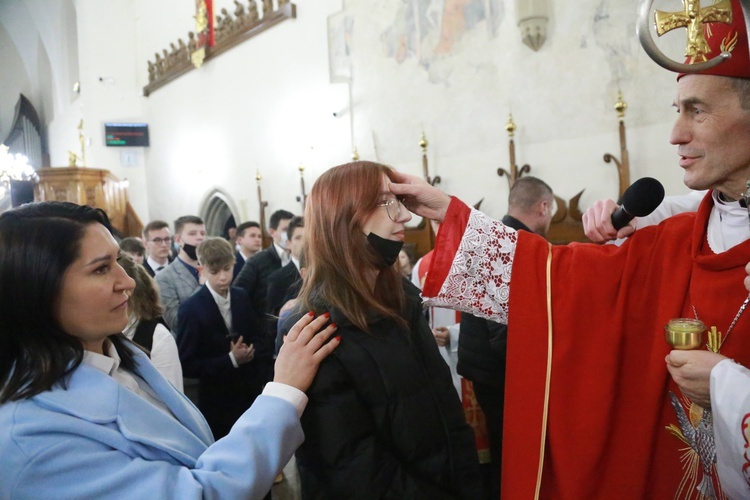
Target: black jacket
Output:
[(254, 277), (239, 263), (254, 280), (383, 419), (482, 343), (279, 284), (150, 271)]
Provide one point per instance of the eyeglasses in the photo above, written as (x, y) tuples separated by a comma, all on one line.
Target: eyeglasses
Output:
[(392, 207), (161, 241)]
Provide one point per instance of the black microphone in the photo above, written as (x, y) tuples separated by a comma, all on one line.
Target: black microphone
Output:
[(639, 199)]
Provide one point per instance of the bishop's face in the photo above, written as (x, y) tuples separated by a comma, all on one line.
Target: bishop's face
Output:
[(712, 133)]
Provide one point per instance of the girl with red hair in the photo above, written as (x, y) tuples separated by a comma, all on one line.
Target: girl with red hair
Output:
[(383, 420)]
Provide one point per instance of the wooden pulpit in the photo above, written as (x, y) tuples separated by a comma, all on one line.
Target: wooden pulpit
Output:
[(90, 186)]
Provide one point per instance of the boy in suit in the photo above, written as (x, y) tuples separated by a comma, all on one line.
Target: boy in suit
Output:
[(249, 242), (180, 279), (253, 278), (281, 281), (216, 341), (158, 243)]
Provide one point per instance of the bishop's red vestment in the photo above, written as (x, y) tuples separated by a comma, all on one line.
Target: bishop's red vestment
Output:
[(603, 433)]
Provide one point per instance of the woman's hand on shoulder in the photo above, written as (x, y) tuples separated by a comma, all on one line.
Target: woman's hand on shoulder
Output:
[(303, 351)]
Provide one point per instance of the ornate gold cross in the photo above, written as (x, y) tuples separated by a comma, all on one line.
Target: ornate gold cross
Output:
[(693, 18)]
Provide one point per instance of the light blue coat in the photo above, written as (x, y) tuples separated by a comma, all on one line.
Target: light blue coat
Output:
[(97, 439)]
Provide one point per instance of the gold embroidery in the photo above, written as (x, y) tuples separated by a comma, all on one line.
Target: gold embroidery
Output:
[(694, 18), (729, 42), (714, 340)]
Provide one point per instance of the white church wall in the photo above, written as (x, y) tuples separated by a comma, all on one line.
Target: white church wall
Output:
[(216, 126), (110, 92), (265, 105), (561, 97), (454, 70)]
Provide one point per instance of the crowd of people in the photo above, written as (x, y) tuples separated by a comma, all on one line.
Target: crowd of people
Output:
[(321, 344)]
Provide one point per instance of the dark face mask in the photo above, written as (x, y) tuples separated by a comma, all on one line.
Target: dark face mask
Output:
[(387, 249), (190, 251)]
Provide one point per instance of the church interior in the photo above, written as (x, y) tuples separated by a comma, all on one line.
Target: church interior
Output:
[(230, 110), (241, 118)]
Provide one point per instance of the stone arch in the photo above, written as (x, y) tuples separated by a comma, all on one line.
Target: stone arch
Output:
[(218, 212)]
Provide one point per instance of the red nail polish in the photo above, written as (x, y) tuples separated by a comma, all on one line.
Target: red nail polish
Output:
[(326, 315), (311, 313), (334, 325), (338, 337)]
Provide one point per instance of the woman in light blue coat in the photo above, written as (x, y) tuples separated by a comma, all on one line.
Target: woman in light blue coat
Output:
[(84, 413)]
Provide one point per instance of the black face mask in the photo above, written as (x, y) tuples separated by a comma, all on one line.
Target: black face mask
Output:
[(190, 251), (387, 249)]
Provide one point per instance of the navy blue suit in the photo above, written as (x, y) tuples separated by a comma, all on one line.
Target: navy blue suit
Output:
[(239, 263), (204, 345)]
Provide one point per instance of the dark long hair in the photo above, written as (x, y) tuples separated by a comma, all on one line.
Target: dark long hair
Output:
[(339, 258), (38, 242)]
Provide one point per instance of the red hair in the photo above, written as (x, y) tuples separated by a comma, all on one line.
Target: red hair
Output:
[(339, 258)]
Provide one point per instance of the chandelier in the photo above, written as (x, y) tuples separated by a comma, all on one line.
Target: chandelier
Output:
[(14, 167)]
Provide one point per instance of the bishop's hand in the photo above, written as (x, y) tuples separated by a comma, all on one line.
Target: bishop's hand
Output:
[(691, 371), (420, 197), (597, 223)]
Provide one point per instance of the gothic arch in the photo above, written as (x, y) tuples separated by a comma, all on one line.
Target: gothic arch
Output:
[(218, 212)]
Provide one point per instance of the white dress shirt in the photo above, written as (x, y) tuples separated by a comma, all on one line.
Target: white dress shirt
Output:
[(164, 353), (224, 304), (156, 266), (110, 365), (728, 225), (283, 254), (225, 308)]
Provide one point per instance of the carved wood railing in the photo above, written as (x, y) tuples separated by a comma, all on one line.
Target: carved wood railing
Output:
[(90, 186), (567, 222), (567, 225), (132, 221), (229, 32)]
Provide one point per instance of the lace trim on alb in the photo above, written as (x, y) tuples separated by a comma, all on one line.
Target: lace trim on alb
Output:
[(479, 278)]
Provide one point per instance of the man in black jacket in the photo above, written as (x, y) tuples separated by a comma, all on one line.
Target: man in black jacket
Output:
[(249, 242), (253, 278), (482, 343), (281, 281)]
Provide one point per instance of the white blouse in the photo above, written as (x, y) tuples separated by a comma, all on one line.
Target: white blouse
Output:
[(164, 353)]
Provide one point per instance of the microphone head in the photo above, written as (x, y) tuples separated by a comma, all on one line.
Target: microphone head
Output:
[(642, 197)]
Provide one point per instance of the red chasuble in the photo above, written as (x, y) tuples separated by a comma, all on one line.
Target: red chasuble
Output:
[(608, 406)]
